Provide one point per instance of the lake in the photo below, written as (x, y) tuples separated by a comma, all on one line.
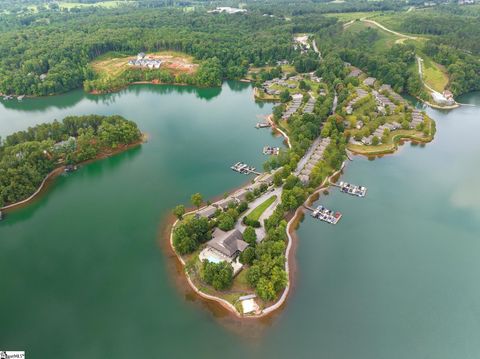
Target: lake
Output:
[(83, 274)]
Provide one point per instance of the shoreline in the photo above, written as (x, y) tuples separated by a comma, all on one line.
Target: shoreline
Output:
[(291, 228), (290, 265), (59, 170)]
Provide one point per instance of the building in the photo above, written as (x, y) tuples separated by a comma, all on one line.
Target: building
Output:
[(227, 10), (145, 62), (370, 81), (207, 212), (355, 72), (224, 203), (241, 195), (229, 244)]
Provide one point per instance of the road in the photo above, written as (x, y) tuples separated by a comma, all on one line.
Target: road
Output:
[(315, 48), (268, 212), (388, 30)]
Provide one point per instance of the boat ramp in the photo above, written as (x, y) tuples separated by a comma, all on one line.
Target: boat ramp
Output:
[(326, 215), (243, 168)]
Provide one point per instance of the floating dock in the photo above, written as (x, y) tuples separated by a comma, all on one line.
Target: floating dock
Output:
[(70, 168), (1, 215), (243, 168), (267, 150), (263, 125), (353, 190), (326, 215)]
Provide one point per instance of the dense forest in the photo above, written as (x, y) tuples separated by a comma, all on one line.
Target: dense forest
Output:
[(62, 50), (26, 157), (48, 50)]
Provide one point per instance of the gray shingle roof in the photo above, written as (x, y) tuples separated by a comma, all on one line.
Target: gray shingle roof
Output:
[(227, 243)]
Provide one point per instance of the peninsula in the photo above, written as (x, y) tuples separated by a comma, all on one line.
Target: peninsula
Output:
[(29, 158), (236, 250)]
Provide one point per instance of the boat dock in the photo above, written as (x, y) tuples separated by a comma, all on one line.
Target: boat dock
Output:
[(326, 215), (1, 215), (243, 168), (263, 125), (351, 189), (267, 150)]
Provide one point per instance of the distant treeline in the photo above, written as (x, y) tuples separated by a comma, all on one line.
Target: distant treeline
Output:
[(26, 157), (62, 50)]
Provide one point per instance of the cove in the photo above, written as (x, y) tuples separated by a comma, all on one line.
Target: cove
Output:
[(82, 274)]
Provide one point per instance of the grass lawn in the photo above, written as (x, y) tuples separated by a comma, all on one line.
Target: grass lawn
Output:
[(257, 212), (104, 4), (391, 144), (434, 75), (352, 15)]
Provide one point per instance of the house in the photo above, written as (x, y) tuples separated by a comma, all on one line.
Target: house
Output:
[(227, 9), (370, 81), (355, 72), (141, 56), (43, 77), (268, 179), (207, 212), (71, 143), (241, 195), (441, 99), (224, 203), (448, 95), (229, 244)]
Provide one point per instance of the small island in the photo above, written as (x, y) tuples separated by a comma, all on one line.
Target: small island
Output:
[(29, 158)]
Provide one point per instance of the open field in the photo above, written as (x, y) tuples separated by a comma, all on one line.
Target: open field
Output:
[(104, 4), (114, 64), (434, 75), (257, 212), (349, 16)]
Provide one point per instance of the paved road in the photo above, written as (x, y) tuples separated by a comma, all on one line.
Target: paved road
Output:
[(268, 212)]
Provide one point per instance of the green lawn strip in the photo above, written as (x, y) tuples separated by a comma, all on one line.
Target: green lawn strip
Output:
[(257, 212), (392, 143)]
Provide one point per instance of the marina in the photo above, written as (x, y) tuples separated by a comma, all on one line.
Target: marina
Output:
[(273, 151), (352, 189), (326, 215), (243, 168)]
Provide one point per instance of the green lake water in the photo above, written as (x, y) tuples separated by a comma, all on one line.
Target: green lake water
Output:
[(82, 274)]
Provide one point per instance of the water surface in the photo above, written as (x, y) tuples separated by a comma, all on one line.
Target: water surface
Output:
[(82, 274)]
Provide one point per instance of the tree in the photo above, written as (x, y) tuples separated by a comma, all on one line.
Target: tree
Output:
[(277, 179), (375, 141), (226, 222), (196, 200), (219, 275), (265, 289), (179, 211), (247, 256), (250, 236), (285, 96)]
